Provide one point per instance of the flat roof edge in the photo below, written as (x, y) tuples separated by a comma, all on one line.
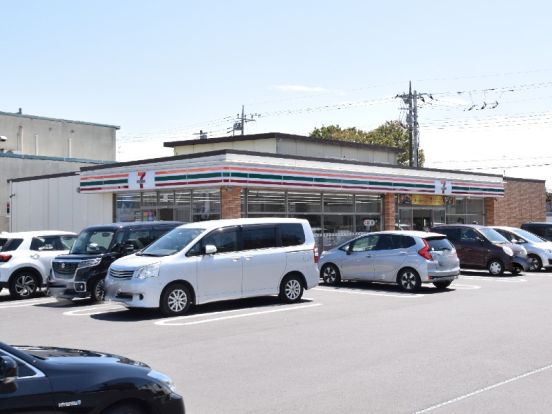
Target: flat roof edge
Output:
[(50, 158), (42, 177), (45, 118), (271, 155), (277, 135)]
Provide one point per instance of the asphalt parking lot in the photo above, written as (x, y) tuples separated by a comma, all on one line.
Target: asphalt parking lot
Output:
[(483, 345)]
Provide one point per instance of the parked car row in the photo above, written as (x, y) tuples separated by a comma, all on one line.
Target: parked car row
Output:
[(171, 266)]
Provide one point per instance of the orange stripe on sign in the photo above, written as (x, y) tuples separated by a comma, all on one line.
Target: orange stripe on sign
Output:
[(97, 177)]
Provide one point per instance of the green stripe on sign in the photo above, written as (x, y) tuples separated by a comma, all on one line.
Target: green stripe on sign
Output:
[(489, 190), (170, 177)]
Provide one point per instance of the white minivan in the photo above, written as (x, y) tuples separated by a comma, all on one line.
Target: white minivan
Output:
[(218, 260)]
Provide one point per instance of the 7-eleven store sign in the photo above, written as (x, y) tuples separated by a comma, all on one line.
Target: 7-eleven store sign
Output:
[(140, 180)]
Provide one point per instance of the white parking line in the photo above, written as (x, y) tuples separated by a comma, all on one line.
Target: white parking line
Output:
[(464, 286), (355, 291), (481, 390), (94, 310), (494, 279), (280, 308), (26, 302)]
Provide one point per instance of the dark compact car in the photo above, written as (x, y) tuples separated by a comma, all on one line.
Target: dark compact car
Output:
[(50, 380), (480, 247), (81, 273), (543, 229)]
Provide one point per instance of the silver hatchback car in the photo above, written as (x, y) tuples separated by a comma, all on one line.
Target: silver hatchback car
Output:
[(407, 258), (539, 251)]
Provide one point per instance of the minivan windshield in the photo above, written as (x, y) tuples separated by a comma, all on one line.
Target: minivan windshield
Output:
[(172, 242), (93, 242), (492, 235)]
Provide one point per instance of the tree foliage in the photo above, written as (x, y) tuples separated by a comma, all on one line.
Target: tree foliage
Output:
[(390, 134)]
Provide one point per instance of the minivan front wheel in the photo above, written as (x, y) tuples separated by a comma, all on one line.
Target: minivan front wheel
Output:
[(98, 290), (495, 267), (330, 274), (409, 280), (291, 289), (176, 300)]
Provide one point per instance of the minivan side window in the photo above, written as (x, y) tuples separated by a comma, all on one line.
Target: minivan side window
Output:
[(139, 238), (292, 234), (258, 236), (224, 239)]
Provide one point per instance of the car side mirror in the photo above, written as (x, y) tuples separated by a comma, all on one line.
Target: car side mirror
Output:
[(209, 249), (127, 248), (8, 374), (349, 249)]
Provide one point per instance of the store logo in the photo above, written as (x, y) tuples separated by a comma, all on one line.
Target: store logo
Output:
[(443, 187), (141, 178)]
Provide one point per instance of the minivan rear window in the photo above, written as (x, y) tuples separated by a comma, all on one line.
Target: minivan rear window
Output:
[(292, 234), (8, 245), (439, 244)]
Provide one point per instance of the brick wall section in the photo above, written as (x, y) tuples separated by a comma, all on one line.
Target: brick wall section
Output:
[(230, 202), (389, 211), (490, 208), (523, 201)]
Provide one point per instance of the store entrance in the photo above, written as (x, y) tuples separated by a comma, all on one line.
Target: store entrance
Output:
[(420, 218)]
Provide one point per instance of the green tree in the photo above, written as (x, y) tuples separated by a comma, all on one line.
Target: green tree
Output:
[(390, 134)]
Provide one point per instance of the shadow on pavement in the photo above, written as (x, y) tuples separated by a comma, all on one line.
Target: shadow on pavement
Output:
[(137, 314), (386, 287)]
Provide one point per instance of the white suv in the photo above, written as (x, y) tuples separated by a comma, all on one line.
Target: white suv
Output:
[(26, 259), (218, 260)]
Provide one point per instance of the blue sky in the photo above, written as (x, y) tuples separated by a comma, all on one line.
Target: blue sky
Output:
[(159, 70)]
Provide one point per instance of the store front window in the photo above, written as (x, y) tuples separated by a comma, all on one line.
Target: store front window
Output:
[(334, 217), (179, 205)]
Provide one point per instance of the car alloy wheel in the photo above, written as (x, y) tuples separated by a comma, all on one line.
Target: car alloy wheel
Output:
[(177, 300), (98, 291), (330, 274), (292, 289), (409, 280), (534, 263), (25, 286)]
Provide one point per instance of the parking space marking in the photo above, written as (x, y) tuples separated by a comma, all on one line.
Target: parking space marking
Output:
[(465, 286), (482, 390), (26, 302), (489, 279), (94, 310), (182, 320), (356, 291)]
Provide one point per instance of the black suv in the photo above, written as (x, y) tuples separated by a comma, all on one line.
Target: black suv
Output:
[(50, 380), (81, 273), (543, 230)]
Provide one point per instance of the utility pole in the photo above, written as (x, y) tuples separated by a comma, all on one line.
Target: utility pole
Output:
[(411, 100), (241, 120)]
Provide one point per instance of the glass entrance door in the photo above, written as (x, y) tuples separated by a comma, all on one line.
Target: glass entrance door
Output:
[(421, 219), (424, 218)]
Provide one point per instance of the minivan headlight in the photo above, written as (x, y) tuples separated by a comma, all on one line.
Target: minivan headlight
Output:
[(90, 262), (151, 270), (508, 250), (165, 379)]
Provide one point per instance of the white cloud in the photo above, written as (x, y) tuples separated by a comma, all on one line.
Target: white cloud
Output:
[(299, 88)]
